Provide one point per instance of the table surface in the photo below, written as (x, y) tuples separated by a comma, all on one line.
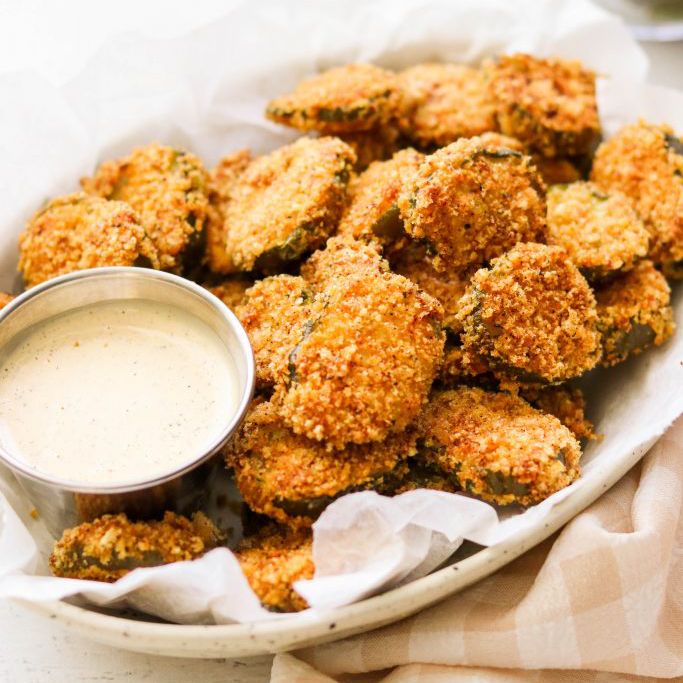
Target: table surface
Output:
[(34, 649)]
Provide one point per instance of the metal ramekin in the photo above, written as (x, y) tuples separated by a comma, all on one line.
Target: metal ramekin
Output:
[(62, 503)]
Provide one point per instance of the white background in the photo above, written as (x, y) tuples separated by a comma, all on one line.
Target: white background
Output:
[(55, 38)]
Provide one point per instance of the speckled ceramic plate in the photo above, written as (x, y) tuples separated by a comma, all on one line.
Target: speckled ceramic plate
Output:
[(313, 627)]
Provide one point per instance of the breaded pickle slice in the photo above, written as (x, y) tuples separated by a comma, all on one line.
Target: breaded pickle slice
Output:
[(548, 104), (372, 212), (232, 291), (634, 313), (473, 200), (645, 162), (378, 144), (459, 367), (497, 447), (167, 187), (531, 316), (346, 99), (447, 286), (273, 313), (567, 404), (602, 233), (111, 546), (287, 203), (273, 560), (422, 474), (362, 367), (78, 231), (556, 171), (445, 102), (292, 478), (222, 180)]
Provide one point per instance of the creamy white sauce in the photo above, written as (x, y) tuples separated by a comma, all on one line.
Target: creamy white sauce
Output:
[(116, 392)]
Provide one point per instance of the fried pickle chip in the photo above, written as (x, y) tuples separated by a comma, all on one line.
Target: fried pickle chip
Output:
[(557, 171), (634, 313), (111, 546), (222, 180), (602, 233), (497, 447), (378, 144), (292, 478), (531, 316), (274, 313), (78, 231), (567, 404), (460, 368), (473, 200), (372, 212), (445, 102), (167, 188), (364, 363), (346, 99), (287, 203), (548, 104), (232, 291), (645, 162), (273, 560)]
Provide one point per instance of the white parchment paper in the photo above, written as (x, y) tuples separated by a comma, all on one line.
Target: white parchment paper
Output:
[(206, 91)]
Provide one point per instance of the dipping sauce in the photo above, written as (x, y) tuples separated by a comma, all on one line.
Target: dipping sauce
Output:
[(115, 392)]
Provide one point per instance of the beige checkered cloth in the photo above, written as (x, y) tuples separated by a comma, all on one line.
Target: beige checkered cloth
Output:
[(601, 601)]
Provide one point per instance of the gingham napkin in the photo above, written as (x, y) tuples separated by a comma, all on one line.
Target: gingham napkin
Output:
[(600, 601)]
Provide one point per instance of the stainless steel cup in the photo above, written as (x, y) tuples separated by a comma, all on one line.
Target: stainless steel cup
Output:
[(63, 503)]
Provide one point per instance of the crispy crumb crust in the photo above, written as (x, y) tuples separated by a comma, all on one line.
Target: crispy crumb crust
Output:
[(567, 404), (634, 313), (447, 287), (473, 200), (459, 367), (602, 233), (497, 447), (272, 561), (287, 203), (167, 188), (111, 546), (372, 212), (645, 162), (222, 180), (78, 231), (378, 144), (364, 363), (232, 291), (548, 104), (444, 102), (293, 479), (531, 316), (273, 314), (557, 171), (346, 99)]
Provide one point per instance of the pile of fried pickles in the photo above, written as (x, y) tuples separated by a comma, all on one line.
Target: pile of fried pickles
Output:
[(420, 275)]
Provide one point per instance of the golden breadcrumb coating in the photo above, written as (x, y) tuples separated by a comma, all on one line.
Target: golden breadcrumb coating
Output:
[(222, 180), (459, 367), (167, 188), (444, 102), (447, 286), (5, 299), (472, 201), (497, 447), (645, 162), (378, 144), (548, 104), (292, 478), (273, 315), (272, 561), (531, 316), (557, 171), (364, 363), (602, 233), (111, 546), (634, 313), (287, 203), (567, 404), (232, 291), (77, 231), (346, 99), (372, 212)]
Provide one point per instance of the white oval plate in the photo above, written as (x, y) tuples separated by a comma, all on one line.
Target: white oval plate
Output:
[(315, 627)]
